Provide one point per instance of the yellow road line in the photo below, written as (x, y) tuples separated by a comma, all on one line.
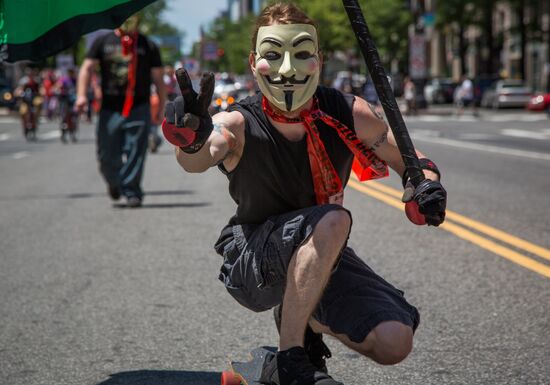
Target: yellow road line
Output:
[(460, 232), (377, 194), (493, 247), (482, 228)]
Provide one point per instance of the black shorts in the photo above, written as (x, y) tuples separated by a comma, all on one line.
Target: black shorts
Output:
[(356, 299)]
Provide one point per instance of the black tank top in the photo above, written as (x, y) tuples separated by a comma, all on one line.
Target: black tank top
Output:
[(273, 176)]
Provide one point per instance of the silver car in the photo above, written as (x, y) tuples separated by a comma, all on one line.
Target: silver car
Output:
[(506, 93)]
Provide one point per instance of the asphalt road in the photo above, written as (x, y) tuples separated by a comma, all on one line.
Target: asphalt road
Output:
[(97, 294)]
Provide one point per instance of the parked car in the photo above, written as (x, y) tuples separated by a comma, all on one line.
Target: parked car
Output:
[(7, 98), (439, 91), (539, 102), (506, 93)]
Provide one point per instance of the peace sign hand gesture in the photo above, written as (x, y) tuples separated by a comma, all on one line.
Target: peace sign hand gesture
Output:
[(187, 123)]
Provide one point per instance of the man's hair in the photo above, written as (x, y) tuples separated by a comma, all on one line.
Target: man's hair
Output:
[(280, 13)]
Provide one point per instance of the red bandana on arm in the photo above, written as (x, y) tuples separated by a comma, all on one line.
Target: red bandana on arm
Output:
[(129, 47), (326, 182)]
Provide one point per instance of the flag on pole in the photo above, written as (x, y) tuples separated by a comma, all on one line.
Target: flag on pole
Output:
[(35, 29)]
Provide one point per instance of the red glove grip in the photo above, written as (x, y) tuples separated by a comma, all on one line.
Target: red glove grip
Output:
[(414, 215), (178, 136)]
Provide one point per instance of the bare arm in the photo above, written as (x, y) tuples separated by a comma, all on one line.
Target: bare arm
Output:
[(225, 145), (84, 76), (374, 132), (86, 70)]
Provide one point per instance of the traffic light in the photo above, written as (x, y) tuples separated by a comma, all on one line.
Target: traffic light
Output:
[(220, 52)]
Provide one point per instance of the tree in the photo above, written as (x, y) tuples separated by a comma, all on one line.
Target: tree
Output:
[(387, 20), (456, 16), (234, 39), (528, 28), (152, 24)]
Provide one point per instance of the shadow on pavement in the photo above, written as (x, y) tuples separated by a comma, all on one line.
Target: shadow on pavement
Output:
[(151, 193), (161, 205), (163, 377), (88, 195)]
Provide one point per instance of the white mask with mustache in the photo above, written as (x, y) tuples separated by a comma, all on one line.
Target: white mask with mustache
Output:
[(287, 64)]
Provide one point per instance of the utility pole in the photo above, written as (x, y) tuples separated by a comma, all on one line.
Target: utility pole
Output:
[(548, 47)]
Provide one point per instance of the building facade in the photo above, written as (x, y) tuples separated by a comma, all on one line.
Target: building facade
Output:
[(242, 8), (504, 56)]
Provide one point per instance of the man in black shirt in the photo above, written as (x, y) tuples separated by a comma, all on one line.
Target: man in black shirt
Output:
[(128, 63), (288, 153)]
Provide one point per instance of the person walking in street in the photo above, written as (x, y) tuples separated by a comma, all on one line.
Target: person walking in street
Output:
[(30, 99), (65, 89), (171, 83), (128, 63), (409, 93), (155, 140), (48, 86), (464, 96), (287, 153)]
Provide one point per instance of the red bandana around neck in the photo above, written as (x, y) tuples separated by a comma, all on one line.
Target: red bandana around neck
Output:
[(326, 182), (129, 47)]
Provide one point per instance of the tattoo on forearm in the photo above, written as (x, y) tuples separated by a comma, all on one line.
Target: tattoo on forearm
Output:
[(381, 140), (375, 111), (218, 127), (221, 128)]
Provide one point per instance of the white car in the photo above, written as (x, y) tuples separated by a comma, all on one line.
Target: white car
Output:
[(506, 93)]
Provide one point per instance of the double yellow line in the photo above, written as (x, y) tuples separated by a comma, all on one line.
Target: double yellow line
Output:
[(392, 197)]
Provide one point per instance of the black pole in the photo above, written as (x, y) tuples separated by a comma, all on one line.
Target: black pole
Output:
[(548, 50), (384, 91)]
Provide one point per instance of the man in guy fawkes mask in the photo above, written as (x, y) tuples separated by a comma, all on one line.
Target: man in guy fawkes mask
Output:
[(287, 64), (288, 153)]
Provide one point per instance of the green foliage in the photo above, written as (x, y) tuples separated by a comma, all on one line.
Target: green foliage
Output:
[(152, 24), (388, 22), (454, 11), (235, 40)]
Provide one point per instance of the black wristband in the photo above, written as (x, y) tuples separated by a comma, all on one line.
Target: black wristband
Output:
[(205, 129), (425, 164), (192, 149)]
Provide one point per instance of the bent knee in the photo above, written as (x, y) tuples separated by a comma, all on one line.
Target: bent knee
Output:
[(336, 223), (390, 343), (395, 354)]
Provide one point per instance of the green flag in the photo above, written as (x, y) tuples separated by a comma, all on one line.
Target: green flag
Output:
[(34, 29)]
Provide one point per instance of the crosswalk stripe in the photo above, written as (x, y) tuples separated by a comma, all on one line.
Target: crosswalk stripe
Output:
[(517, 133), (483, 147), (20, 155)]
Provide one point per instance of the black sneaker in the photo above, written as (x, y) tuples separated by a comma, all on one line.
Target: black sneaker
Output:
[(314, 346), (114, 192), (133, 202), (292, 367)]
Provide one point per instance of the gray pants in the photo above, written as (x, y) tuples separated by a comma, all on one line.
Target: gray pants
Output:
[(122, 147)]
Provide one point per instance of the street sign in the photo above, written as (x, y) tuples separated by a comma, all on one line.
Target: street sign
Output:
[(210, 51), (417, 54), (192, 65), (429, 19)]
